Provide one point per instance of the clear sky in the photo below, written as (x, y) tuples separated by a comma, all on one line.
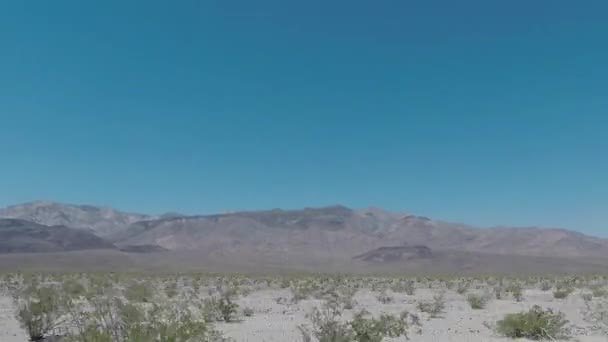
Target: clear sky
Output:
[(484, 112)]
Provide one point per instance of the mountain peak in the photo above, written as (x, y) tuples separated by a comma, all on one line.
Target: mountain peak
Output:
[(101, 220)]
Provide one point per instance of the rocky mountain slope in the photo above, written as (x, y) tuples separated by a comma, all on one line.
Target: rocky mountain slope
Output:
[(100, 220), (317, 236), (19, 236), (341, 231)]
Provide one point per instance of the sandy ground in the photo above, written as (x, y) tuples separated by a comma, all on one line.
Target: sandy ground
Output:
[(272, 321), (279, 322), (10, 331)]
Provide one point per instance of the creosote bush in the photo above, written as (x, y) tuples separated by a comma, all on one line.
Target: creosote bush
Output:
[(434, 308), (516, 291), (139, 292), (535, 324), (39, 309), (404, 286), (227, 308), (328, 327), (477, 301), (562, 293), (384, 298)]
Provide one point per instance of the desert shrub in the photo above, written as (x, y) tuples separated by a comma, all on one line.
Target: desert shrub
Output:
[(139, 293), (599, 291), (248, 312), (562, 293), (384, 298), (227, 308), (404, 287), (171, 290), (301, 290), (210, 310), (516, 291), (342, 295), (327, 326), (346, 295), (39, 310), (369, 329), (434, 308), (477, 301), (73, 288), (596, 314), (534, 324), (587, 296), (545, 286), (498, 292), (462, 288), (118, 321)]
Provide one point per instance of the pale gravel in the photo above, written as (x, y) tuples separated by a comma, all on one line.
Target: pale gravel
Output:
[(273, 322)]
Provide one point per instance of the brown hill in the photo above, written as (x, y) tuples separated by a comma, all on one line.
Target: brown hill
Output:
[(339, 232), (320, 238)]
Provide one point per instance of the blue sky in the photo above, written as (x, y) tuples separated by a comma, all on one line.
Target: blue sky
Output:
[(485, 112)]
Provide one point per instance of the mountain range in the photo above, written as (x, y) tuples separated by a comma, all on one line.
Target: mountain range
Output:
[(308, 238)]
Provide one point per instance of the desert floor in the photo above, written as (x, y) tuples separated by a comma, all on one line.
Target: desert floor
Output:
[(275, 320)]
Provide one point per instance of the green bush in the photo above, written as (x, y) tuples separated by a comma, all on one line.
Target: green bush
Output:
[(210, 310), (115, 321), (384, 298), (227, 308), (562, 293), (39, 309), (536, 324), (407, 287), (139, 293), (369, 329), (434, 308), (516, 291), (171, 290), (462, 288), (327, 326), (599, 291), (477, 302), (73, 288), (545, 286)]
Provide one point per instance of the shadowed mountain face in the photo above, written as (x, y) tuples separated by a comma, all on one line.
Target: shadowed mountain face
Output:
[(18, 236), (396, 254), (100, 220), (317, 237)]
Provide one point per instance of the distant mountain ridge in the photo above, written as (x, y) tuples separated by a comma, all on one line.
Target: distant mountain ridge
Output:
[(323, 235), (100, 220), (19, 236)]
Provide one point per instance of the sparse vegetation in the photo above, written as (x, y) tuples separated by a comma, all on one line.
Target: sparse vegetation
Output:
[(384, 298), (516, 291), (477, 301), (139, 292), (227, 308), (562, 293), (434, 308), (536, 324), (39, 311), (327, 326), (186, 308)]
